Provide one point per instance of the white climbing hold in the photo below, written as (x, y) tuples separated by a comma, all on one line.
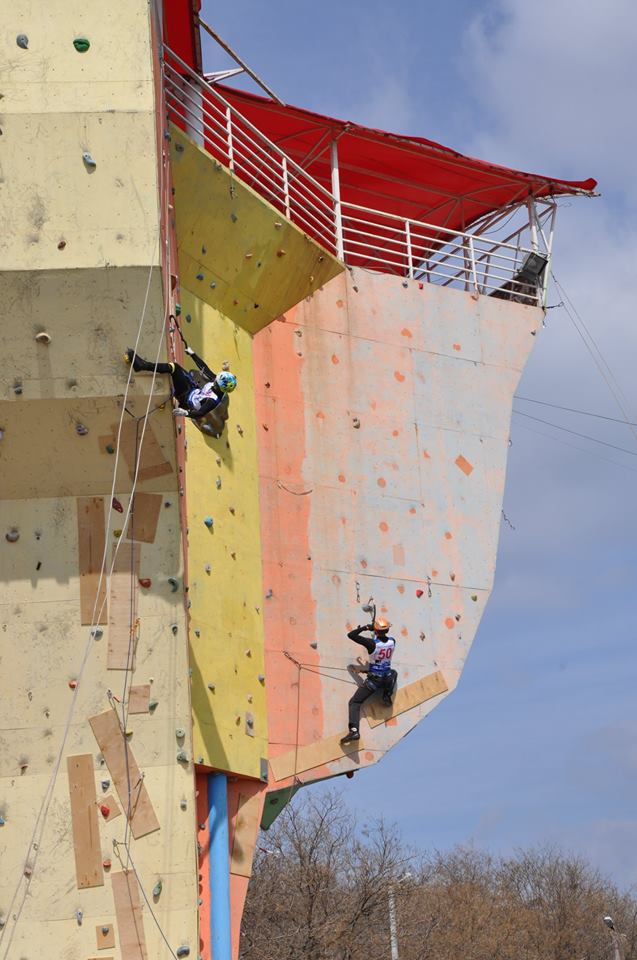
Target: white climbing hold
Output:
[(42, 337), (88, 160)]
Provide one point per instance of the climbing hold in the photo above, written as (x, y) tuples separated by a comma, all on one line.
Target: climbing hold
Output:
[(280, 253), (208, 569), (42, 337), (199, 276), (182, 756), (88, 160), (211, 686), (105, 931), (218, 483), (269, 594), (174, 587), (97, 633), (38, 565), (180, 733), (157, 889), (349, 774), (117, 505), (81, 430), (27, 871), (183, 804), (72, 684), (78, 916), (248, 256), (423, 636), (419, 593), (277, 224), (474, 597), (177, 309), (248, 652), (105, 784), (183, 951), (145, 582), (81, 44), (22, 41), (197, 633), (239, 429), (209, 522), (225, 365), (107, 863), (232, 510), (105, 810), (17, 388), (13, 535), (213, 285), (110, 448), (234, 217), (128, 733), (153, 704), (233, 554), (452, 577), (261, 678), (168, 503), (405, 284), (24, 765), (356, 423), (2, 821), (117, 533), (458, 617)]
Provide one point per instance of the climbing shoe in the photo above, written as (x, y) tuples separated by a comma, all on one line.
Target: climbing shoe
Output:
[(351, 736), (387, 699), (138, 364), (180, 412)]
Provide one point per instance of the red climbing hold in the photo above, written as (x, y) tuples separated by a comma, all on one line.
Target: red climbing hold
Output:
[(145, 582), (117, 505), (104, 810), (106, 864), (419, 593), (72, 684)]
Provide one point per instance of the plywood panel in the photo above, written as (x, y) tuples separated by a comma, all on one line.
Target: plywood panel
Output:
[(91, 541), (139, 698), (407, 697), (113, 807), (128, 910), (314, 755), (143, 524), (152, 462), (245, 834), (105, 936), (122, 608), (122, 765), (86, 835)]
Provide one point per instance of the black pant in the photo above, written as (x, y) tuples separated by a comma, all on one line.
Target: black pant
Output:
[(183, 382), (371, 686)]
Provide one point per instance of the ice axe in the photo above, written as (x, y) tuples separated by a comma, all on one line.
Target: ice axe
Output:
[(370, 607)]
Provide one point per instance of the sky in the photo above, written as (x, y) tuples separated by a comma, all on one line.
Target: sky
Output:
[(539, 742)]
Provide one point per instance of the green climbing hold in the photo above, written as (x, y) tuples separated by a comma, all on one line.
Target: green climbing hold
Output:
[(157, 889), (177, 309), (81, 44), (110, 448)]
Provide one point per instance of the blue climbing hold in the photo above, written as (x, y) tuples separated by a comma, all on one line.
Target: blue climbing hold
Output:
[(209, 522), (22, 41)]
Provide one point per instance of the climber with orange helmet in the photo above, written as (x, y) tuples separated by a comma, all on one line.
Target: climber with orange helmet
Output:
[(379, 674), (194, 399)]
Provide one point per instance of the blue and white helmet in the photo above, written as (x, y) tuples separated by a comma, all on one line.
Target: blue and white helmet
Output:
[(226, 381)]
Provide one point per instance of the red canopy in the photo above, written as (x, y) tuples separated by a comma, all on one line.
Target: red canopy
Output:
[(407, 176)]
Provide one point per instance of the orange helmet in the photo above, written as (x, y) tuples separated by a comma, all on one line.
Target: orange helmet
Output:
[(381, 625)]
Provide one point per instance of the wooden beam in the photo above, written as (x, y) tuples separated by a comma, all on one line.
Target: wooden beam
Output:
[(123, 608), (123, 769), (86, 834), (407, 697), (91, 535), (128, 910)]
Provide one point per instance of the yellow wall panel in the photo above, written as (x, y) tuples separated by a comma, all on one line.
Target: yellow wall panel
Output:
[(226, 626)]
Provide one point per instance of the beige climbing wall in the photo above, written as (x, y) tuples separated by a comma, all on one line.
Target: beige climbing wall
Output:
[(79, 261)]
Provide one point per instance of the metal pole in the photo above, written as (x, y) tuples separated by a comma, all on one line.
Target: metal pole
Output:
[(549, 250), (410, 259), (229, 135), (530, 204), (393, 932), (474, 272), (286, 185), (336, 194), (219, 865)]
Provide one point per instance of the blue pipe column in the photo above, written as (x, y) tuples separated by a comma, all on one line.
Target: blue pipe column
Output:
[(220, 926)]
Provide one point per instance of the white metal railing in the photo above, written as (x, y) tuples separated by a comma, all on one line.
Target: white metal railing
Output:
[(360, 236)]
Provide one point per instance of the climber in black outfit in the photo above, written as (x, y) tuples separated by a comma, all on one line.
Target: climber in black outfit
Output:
[(194, 400), (380, 676)]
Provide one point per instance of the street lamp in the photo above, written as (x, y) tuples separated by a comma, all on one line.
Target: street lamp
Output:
[(616, 937), (393, 930)]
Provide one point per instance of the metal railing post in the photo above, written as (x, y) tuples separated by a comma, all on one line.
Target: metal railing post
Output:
[(336, 194), (229, 138), (474, 272), (410, 259), (286, 185), (532, 223)]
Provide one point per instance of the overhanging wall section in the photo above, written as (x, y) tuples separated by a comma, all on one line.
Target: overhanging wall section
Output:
[(387, 405)]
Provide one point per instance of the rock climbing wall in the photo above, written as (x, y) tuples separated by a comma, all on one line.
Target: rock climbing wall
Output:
[(387, 406), (241, 265), (97, 815)]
